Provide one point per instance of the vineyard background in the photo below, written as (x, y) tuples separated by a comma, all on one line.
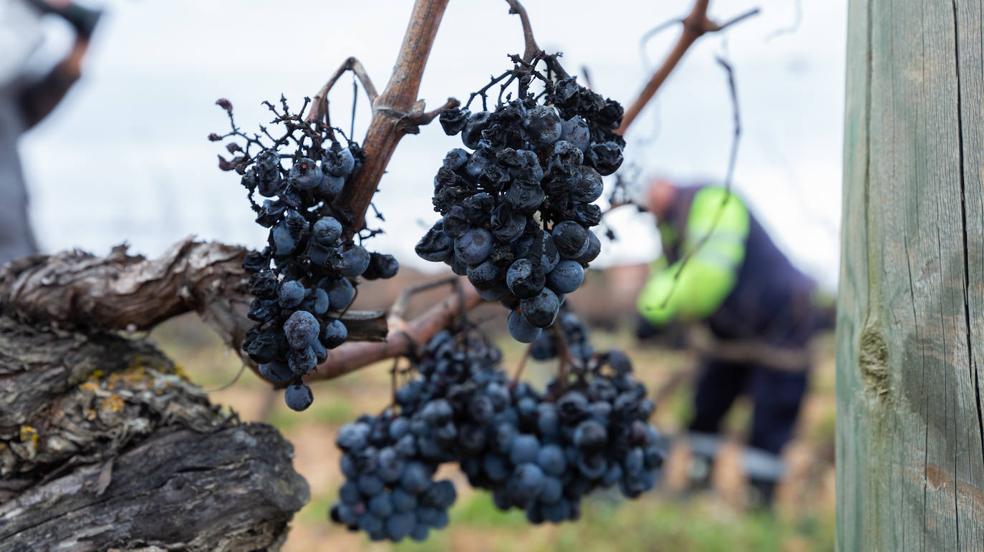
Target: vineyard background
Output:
[(145, 174), (661, 520)]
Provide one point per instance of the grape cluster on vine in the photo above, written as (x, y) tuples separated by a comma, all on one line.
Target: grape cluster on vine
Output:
[(544, 451), (389, 460), (517, 204), (539, 451), (304, 279)]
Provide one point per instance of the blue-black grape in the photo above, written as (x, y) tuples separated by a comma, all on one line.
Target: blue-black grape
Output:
[(341, 292), (436, 245), (520, 329), (326, 231), (524, 448), (298, 396), (338, 160), (520, 198), (541, 310), (276, 371), (301, 329), (543, 124), (566, 277), (569, 237), (524, 279), (590, 250), (577, 132), (453, 121), (381, 266), (305, 276), (474, 246)]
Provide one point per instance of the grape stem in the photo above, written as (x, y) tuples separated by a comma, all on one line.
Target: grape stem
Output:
[(521, 365), (411, 122), (532, 50), (586, 73), (319, 104), (695, 25), (399, 309), (482, 91), (393, 386), (793, 26), (564, 354)]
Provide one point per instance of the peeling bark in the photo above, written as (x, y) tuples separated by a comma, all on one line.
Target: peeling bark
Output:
[(75, 289), (129, 292)]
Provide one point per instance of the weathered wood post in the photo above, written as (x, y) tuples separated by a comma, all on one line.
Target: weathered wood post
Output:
[(910, 453)]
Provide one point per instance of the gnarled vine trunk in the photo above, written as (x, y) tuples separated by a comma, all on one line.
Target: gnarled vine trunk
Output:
[(105, 444)]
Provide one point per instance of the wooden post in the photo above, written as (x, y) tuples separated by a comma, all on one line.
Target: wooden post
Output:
[(910, 452)]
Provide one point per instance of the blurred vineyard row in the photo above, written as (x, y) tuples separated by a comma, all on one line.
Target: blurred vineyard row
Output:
[(667, 519)]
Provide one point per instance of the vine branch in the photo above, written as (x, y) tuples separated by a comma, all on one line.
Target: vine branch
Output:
[(400, 341), (399, 309), (124, 292), (319, 104), (695, 25), (396, 111)]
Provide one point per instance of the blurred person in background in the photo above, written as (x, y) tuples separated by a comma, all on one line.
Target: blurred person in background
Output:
[(721, 270), (26, 99)]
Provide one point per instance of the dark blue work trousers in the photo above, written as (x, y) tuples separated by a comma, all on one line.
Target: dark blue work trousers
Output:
[(776, 397)]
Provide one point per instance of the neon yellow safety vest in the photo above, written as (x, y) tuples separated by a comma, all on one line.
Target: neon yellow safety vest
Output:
[(712, 251)]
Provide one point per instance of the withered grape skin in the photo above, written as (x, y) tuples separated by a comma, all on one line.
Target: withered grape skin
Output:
[(305, 278), (519, 199)]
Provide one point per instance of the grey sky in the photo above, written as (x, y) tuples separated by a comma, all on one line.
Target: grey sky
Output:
[(126, 158)]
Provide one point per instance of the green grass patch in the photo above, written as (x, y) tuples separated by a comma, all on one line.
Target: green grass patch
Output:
[(316, 511), (336, 412), (480, 511)]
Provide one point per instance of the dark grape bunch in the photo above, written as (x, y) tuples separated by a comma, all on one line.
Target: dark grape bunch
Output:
[(541, 452), (305, 277), (517, 204), (389, 460)]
